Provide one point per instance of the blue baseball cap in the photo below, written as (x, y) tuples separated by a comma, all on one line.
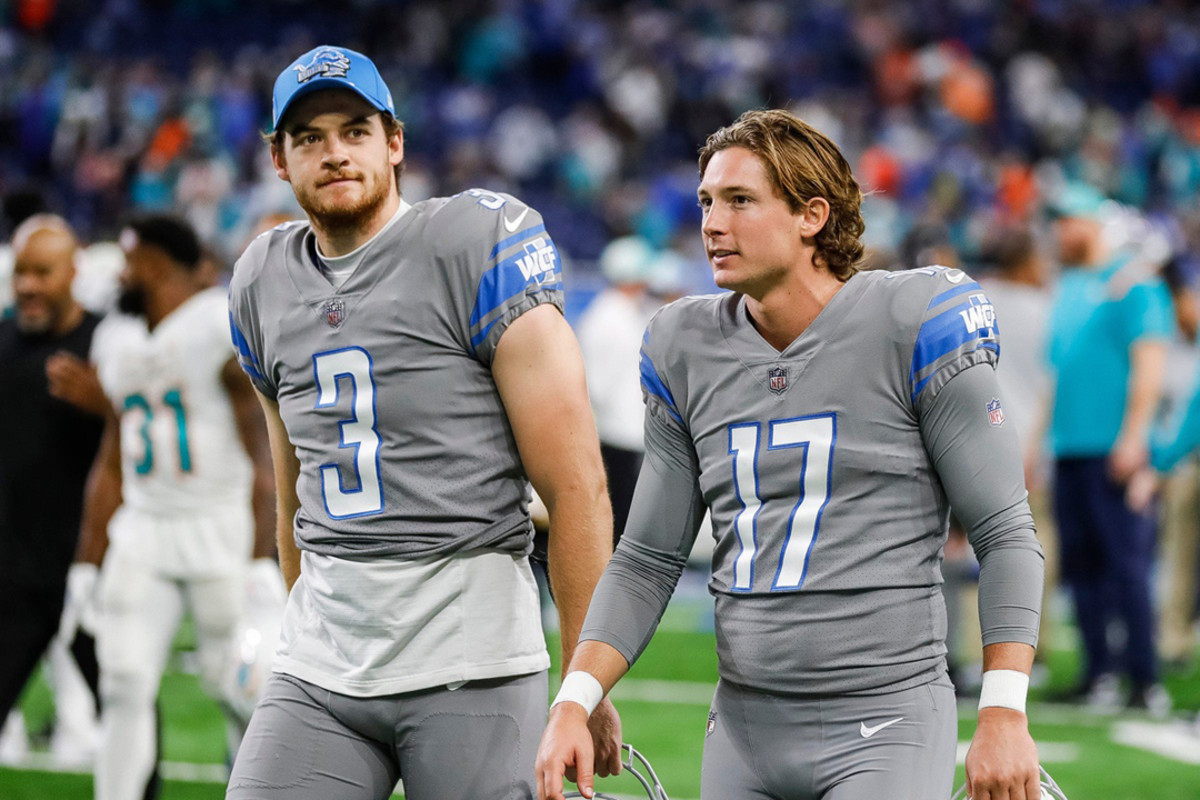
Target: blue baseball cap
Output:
[(330, 68)]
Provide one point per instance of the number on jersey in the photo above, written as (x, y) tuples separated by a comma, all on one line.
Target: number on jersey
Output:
[(335, 369), (174, 401), (816, 437)]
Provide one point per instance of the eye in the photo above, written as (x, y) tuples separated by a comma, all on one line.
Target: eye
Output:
[(740, 199), (309, 138), (357, 133), (704, 202)]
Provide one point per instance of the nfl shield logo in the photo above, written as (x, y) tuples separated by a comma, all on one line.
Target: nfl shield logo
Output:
[(712, 724), (995, 412), (778, 379), (334, 312)]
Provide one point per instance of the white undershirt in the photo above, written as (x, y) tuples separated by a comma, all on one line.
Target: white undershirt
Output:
[(338, 269)]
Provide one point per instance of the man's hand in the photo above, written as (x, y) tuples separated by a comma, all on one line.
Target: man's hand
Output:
[(566, 748), (1002, 763), (1141, 489), (605, 725), (1128, 455), (73, 380)]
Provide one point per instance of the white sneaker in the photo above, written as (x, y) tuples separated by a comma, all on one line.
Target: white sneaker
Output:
[(14, 741), (1105, 694)]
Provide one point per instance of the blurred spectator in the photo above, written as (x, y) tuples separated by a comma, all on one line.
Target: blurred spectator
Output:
[(610, 336), (1173, 455), (1109, 328), (50, 424), (1018, 290)]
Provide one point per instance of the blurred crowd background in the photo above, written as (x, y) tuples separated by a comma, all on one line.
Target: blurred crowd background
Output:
[(966, 121), (956, 113)]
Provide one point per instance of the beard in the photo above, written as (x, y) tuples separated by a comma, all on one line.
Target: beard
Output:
[(343, 214), (132, 300)]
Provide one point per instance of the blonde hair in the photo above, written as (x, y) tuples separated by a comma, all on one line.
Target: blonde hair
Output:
[(802, 163)]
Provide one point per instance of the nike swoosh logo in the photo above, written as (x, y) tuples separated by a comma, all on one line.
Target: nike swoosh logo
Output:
[(511, 225), (955, 275), (867, 733)]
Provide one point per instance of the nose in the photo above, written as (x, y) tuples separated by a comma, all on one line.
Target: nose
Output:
[(25, 283), (335, 156), (715, 221)]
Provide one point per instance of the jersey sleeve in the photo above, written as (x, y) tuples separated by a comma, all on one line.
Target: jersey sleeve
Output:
[(1147, 312), (978, 459), (506, 264), (663, 521), (958, 330), (245, 326)]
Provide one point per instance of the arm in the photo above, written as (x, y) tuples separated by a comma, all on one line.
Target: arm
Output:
[(980, 467), (1148, 359), (73, 380), (101, 495), (539, 374), (287, 503), (252, 431)]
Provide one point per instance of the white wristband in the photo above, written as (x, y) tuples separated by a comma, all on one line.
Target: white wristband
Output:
[(1004, 687), (580, 687)]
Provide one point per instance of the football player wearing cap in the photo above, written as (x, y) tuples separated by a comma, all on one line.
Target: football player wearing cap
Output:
[(417, 374)]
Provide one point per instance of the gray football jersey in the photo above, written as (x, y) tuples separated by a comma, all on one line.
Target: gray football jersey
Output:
[(385, 384), (828, 512)]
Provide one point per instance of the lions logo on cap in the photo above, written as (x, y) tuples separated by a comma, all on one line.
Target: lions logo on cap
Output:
[(327, 62)]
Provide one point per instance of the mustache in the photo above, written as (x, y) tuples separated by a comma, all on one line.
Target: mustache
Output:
[(341, 175)]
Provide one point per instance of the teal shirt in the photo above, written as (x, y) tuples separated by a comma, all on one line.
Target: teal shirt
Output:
[(1094, 323)]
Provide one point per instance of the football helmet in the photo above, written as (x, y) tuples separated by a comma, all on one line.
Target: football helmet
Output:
[(641, 770), (1050, 789)]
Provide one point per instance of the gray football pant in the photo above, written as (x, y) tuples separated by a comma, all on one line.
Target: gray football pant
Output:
[(477, 742), (769, 747)]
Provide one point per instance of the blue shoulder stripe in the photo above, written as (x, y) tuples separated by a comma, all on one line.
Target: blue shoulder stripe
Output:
[(955, 292), (486, 329), (920, 386), (654, 385), (246, 357), (945, 333), (511, 275)]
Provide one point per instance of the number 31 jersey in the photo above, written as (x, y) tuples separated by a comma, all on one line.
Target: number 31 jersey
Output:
[(180, 450), (385, 383), (828, 514)]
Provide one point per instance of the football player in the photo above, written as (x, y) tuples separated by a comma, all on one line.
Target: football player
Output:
[(828, 418), (179, 499), (417, 373)]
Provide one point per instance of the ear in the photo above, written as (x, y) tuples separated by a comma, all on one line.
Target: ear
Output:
[(279, 161), (396, 147), (813, 217)]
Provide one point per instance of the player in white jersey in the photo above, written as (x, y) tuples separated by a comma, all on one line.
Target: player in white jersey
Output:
[(828, 418), (417, 375), (179, 498)]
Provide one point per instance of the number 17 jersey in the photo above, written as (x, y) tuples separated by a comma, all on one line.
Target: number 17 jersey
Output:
[(828, 513)]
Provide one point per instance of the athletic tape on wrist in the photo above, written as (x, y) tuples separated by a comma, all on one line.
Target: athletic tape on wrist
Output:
[(582, 688), (1004, 687)]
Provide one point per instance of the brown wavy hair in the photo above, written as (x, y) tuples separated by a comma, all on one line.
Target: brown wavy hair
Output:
[(802, 163)]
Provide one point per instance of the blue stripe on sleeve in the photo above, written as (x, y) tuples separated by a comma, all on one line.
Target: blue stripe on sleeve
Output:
[(955, 292), (654, 385), (246, 357), (508, 279), (483, 333), (920, 386), (504, 244), (941, 335)]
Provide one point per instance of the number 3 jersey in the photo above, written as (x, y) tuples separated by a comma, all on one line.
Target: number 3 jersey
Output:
[(385, 384), (182, 461), (828, 469), (413, 521)]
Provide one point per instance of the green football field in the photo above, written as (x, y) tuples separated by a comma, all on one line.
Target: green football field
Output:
[(663, 704)]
